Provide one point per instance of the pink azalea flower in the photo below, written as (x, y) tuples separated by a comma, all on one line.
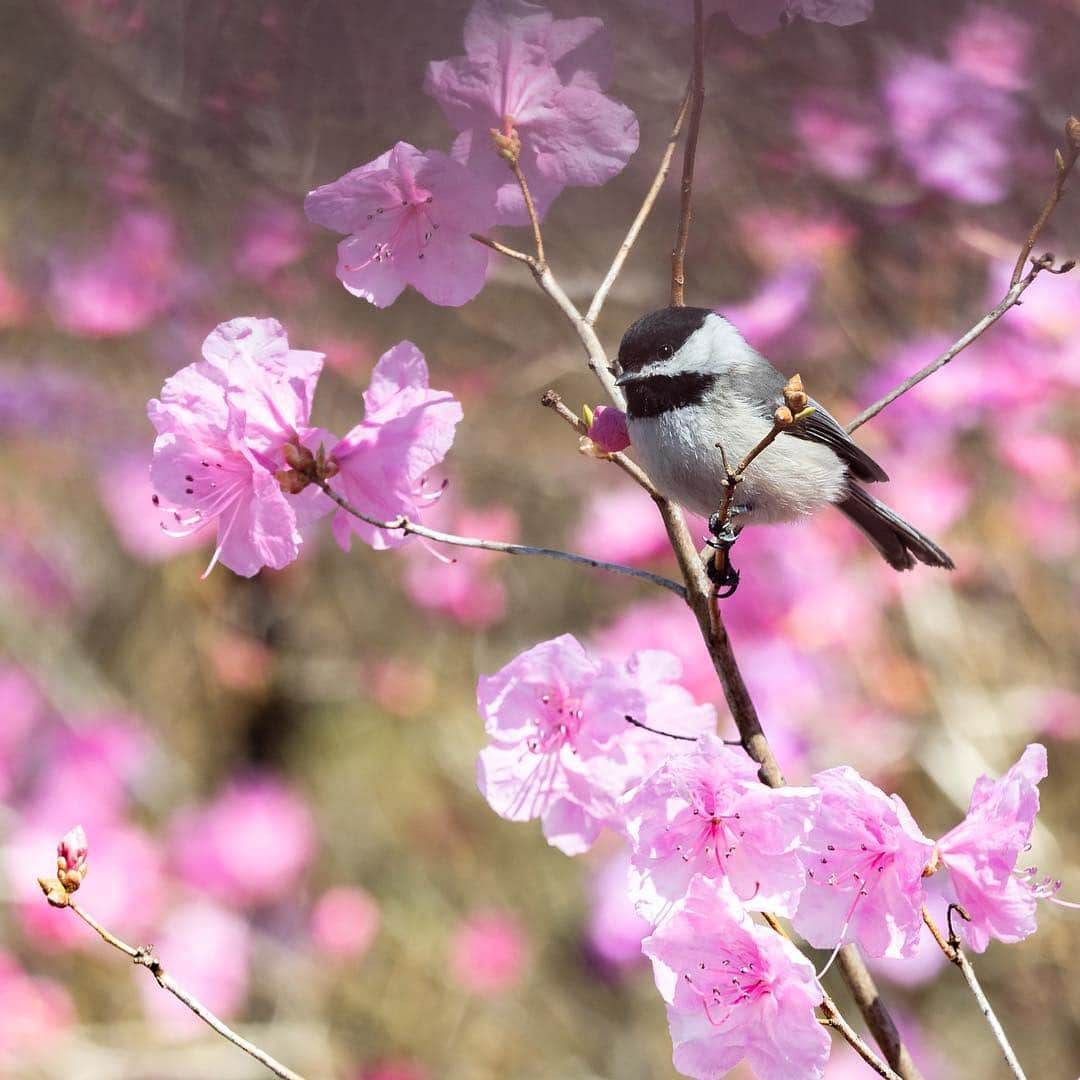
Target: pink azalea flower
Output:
[(608, 429), (955, 132), (222, 424), (980, 854), (543, 77), (614, 930), (488, 952), (408, 216), (706, 812), (406, 431), (344, 923), (864, 862), (24, 711), (14, 303), (735, 990), (248, 846), (207, 949), (777, 307), (841, 138), (562, 749)]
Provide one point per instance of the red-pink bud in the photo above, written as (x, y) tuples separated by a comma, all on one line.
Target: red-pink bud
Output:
[(608, 429), (71, 858)]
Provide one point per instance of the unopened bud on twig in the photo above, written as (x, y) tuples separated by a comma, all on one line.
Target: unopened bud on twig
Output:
[(783, 416), (54, 892), (71, 858), (1072, 132), (507, 142), (794, 396)]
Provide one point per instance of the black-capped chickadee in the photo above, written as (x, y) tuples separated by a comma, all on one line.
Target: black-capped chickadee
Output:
[(693, 385)]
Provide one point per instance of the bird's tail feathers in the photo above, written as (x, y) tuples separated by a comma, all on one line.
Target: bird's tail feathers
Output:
[(899, 542)]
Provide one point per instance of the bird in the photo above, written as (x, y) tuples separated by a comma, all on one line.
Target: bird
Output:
[(698, 397)]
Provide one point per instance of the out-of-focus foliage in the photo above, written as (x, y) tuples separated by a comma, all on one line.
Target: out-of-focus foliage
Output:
[(277, 775)]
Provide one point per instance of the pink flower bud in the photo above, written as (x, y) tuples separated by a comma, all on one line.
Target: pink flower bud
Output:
[(71, 858), (608, 429)]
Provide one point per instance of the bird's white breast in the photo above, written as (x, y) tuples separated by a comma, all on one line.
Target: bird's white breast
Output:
[(679, 449)]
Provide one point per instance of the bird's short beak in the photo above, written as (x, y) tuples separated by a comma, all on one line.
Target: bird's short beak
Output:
[(624, 378)]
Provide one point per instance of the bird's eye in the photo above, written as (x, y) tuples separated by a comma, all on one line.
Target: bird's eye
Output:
[(665, 352)]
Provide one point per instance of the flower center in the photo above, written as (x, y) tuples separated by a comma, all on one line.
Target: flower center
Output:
[(557, 724), (736, 980), (413, 228), (714, 827)]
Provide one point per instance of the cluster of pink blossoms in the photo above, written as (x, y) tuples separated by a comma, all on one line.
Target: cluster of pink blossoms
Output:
[(231, 425), (583, 744)]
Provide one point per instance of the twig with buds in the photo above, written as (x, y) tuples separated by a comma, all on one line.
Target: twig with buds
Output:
[(71, 866), (955, 954), (1020, 282)]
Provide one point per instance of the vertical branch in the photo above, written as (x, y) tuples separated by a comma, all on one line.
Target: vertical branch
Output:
[(697, 102)]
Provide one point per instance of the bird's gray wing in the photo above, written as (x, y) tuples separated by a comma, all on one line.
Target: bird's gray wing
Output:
[(820, 427), (766, 387)]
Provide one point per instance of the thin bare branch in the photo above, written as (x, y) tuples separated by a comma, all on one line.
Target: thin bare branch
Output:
[(146, 958), (502, 249), (412, 528), (955, 954), (643, 214), (697, 103), (1011, 298), (1063, 163), (1019, 283)]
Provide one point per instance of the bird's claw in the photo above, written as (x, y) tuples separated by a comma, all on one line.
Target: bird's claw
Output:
[(722, 540)]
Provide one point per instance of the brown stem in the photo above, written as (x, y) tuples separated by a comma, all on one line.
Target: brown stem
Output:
[(643, 214), (1064, 164), (835, 1019), (875, 1013), (697, 98), (145, 958)]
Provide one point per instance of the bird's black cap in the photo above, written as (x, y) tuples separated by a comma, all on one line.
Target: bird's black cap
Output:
[(669, 326)]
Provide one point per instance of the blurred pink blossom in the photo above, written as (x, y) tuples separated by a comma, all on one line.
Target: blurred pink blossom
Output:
[(780, 237), (119, 287), (14, 303), (841, 136), (1056, 713), (250, 845), (608, 429), (544, 78), (777, 307), (24, 712), (407, 430), (395, 1069), (270, 234), (207, 949), (955, 132), (34, 1013), (468, 589), (222, 424), (735, 990), (993, 46), (488, 952), (614, 930), (408, 216), (344, 923)]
